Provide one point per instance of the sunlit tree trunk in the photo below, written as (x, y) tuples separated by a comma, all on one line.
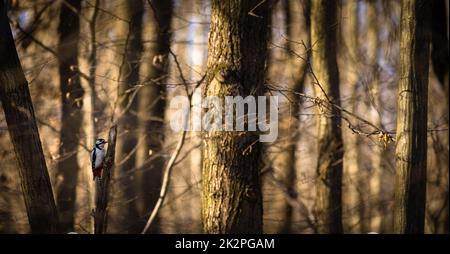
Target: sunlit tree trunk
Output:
[(71, 115), (411, 149), (128, 33), (151, 106), (92, 111), (20, 118), (328, 206), (231, 199)]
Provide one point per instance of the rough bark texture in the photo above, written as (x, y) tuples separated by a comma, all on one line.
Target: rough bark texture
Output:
[(71, 113), (328, 206), (128, 32), (231, 200), (19, 113), (411, 149), (151, 107)]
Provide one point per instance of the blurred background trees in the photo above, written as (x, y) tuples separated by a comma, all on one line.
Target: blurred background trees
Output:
[(92, 63)]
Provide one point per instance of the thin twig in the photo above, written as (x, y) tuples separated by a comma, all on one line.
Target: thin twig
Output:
[(173, 158), (295, 202), (165, 182), (32, 38), (251, 12)]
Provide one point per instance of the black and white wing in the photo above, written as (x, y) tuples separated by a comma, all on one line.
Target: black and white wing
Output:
[(93, 158)]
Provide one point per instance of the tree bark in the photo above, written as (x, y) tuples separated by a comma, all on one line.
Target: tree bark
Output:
[(328, 206), (151, 107), (71, 113), (411, 149), (94, 110), (231, 200), (20, 118)]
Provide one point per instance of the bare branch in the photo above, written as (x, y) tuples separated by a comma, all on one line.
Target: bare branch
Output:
[(165, 183)]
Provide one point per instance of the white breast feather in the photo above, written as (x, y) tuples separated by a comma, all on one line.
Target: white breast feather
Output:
[(99, 158)]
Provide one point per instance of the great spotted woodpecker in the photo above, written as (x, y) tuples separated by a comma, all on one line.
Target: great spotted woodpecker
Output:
[(97, 157)]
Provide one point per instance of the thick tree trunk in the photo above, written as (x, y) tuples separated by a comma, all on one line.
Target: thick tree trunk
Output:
[(71, 113), (19, 113), (411, 149), (231, 201), (151, 106), (128, 33), (328, 206)]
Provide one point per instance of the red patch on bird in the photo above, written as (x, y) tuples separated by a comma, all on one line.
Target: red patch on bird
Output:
[(98, 172)]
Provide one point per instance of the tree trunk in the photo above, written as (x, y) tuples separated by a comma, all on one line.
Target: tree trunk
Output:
[(91, 118), (231, 200), (19, 113), (151, 107), (71, 113), (328, 206), (128, 33), (411, 149)]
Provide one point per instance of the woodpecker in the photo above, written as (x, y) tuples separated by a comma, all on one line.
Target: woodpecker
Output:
[(97, 157)]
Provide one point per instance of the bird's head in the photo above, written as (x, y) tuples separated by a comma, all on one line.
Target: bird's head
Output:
[(100, 143)]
